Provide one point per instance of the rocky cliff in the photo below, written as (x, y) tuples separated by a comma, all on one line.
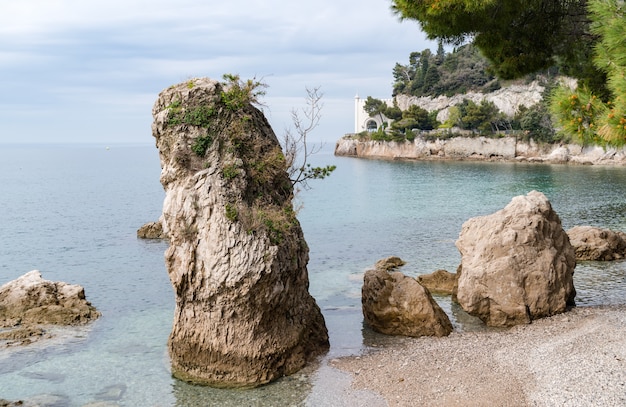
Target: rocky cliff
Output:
[(237, 258), (507, 99), (480, 148)]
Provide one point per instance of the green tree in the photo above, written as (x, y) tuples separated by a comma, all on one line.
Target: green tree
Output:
[(482, 117), (393, 112), (441, 53), (401, 78), (431, 79), (460, 71), (375, 107), (518, 37), (588, 114), (416, 117), (535, 122)]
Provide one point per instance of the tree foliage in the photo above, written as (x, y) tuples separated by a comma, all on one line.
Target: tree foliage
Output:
[(594, 116), (415, 117), (583, 38), (460, 71), (518, 37)]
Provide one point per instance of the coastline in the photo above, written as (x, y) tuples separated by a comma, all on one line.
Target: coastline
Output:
[(504, 149), (572, 359), (577, 358)]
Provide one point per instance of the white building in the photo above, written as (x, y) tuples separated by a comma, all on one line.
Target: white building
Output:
[(362, 120)]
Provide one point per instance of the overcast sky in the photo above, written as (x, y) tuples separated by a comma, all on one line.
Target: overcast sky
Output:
[(90, 71)]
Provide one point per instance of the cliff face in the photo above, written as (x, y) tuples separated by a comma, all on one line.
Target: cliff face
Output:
[(480, 148), (237, 258), (507, 99)]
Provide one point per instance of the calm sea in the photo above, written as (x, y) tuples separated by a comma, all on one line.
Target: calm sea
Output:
[(72, 211)]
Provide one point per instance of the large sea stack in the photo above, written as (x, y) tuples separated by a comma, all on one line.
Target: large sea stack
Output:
[(237, 258)]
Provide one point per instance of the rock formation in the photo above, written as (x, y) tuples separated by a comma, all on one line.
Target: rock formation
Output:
[(439, 282), (507, 148), (395, 304), (237, 257), (517, 264), (31, 300), (593, 243), (151, 230), (507, 99), (389, 263)]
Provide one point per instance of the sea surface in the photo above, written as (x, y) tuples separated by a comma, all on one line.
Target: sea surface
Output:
[(72, 211)]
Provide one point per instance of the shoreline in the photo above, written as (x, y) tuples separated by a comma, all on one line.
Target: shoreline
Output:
[(571, 359), (481, 149)]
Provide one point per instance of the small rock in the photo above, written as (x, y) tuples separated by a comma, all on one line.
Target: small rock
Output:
[(395, 304), (151, 230), (389, 263), (439, 282)]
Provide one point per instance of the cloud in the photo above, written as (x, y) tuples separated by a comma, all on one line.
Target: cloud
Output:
[(102, 60)]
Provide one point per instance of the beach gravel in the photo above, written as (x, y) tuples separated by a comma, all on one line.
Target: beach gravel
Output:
[(577, 358)]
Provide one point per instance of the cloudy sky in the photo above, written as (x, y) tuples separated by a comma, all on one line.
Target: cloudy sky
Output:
[(89, 71)]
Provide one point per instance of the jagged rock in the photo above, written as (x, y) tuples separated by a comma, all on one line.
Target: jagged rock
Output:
[(237, 257), (395, 304), (593, 243), (517, 264), (438, 282), (32, 300), (152, 230), (389, 263)]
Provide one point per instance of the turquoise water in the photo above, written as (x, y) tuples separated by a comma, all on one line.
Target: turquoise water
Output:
[(72, 212)]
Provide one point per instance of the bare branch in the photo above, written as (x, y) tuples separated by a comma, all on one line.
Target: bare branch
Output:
[(296, 149)]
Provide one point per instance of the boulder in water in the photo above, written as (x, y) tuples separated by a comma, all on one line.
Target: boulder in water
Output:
[(593, 243), (395, 304), (31, 300), (517, 264)]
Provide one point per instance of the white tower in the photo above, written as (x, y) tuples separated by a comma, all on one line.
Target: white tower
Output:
[(357, 110)]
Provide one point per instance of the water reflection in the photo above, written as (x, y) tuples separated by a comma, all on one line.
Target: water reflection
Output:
[(600, 283), (288, 391)]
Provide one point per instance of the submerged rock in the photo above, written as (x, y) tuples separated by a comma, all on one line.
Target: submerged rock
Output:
[(395, 304), (31, 300), (237, 258), (593, 243), (517, 264)]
